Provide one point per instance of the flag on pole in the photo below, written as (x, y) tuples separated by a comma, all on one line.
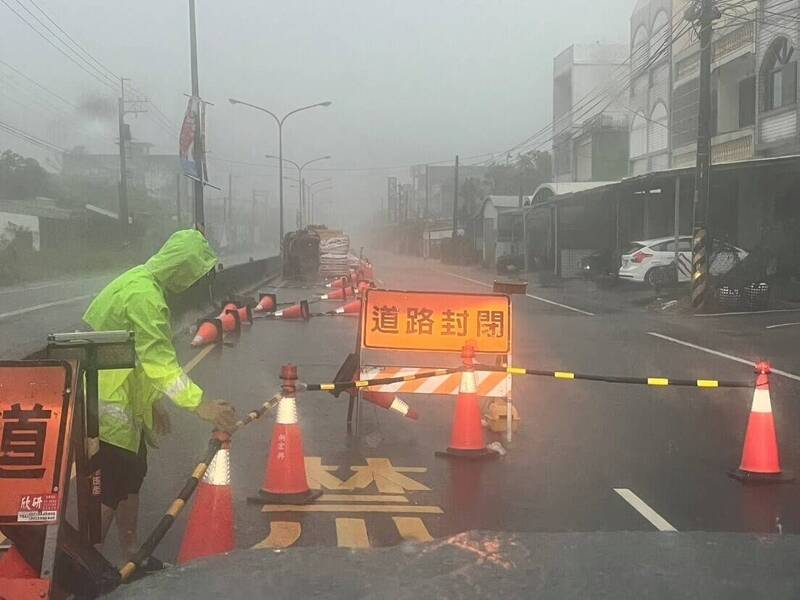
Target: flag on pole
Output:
[(188, 139)]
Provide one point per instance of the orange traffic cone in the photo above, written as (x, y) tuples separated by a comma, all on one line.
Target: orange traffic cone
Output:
[(210, 528), (14, 566), (466, 439), (285, 480), (351, 308), (208, 330), (296, 311), (266, 303), (337, 283), (363, 286), (390, 401), (760, 457), (338, 294)]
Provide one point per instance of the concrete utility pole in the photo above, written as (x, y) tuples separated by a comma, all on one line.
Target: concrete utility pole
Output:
[(455, 204), (199, 210), (705, 12), (427, 191), (123, 175)]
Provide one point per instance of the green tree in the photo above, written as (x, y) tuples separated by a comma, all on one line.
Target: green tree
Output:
[(527, 172), (22, 177)]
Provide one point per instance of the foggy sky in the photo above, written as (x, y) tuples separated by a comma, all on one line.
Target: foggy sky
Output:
[(411, 81)]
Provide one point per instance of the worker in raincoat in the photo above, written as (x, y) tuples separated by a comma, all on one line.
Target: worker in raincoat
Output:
[(130, 398)]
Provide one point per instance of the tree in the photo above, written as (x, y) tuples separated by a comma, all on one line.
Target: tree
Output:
[(523, 175), (22, 177)]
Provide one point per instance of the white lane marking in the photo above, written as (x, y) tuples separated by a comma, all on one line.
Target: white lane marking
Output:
[(750, 312), (531, 296), (738, 359), (643, 509), (28, 309), (778, 325)]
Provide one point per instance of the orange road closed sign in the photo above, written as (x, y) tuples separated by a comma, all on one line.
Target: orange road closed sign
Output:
[(36, 403), (440, 321)]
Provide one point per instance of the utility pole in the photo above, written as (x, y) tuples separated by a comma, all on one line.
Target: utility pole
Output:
[(455, 204), (427, 190), (198, 150), (124, 137), (705, 12), (229, 208), (304, 216), (178, 179)]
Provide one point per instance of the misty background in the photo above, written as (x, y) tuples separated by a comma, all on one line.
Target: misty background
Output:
[(411, 82)]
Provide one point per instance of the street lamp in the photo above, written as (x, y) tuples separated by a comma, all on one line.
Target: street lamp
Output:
[(311, 203), (299, 171), (319, 191), (280, 121)]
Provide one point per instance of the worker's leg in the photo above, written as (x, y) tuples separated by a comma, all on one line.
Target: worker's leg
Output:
[(128, 525)]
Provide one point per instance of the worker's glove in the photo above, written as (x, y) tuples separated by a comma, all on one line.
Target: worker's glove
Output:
[(218, 412)]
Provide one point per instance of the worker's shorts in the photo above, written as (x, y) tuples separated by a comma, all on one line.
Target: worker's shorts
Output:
[(122, 472)]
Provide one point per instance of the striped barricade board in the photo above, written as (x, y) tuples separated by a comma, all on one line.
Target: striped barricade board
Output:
[(490, 385)]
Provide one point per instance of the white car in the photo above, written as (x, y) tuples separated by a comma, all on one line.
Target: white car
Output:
[(640, 261)]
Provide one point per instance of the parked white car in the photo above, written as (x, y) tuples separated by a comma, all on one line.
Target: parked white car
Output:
[(641, 260)]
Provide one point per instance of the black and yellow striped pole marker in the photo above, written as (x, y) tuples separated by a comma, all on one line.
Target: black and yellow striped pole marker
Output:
[(699, 267), (164, 525), (340, 386), (651, 381)]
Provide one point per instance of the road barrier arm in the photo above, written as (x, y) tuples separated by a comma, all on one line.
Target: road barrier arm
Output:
[(651, 381), (340, 386), (172, 513)]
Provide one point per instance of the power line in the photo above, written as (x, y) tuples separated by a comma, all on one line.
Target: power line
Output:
[(37, 84), (24, 135), (49, 41)]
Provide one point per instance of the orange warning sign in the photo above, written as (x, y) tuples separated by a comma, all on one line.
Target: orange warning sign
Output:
[(35, 426), (436, 321)]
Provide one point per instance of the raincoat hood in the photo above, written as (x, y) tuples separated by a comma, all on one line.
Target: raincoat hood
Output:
[(182, 261)]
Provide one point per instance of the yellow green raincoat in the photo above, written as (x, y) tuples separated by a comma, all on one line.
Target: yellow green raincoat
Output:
[(136, 301)]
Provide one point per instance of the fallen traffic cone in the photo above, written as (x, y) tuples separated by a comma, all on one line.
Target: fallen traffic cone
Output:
[(14, 566), (210, 528), (466, 439), (390, 401), (760, 457), (208, 330), (338, 294), (351, 308), (337, 283), (285, 480), (266, 303), (296, 311)]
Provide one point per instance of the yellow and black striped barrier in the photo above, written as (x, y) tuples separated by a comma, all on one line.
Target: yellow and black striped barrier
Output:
[(652, 381), (338, 386)]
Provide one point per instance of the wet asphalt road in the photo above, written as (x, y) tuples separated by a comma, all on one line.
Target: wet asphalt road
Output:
[(587, 457)]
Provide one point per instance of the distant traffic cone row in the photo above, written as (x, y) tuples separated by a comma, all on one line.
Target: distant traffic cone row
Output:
[(296, 311), (466, 439), (210, 528), (760, 455), (285, 480), (338, 283), (390, 401)]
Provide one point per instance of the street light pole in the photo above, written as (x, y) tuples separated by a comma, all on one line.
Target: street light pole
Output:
[(199, 210), (280, 121), (299, 168)]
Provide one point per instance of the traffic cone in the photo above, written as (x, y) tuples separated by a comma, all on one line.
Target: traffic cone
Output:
[(296, 311), (285, 480), (337, 283), (14, 566), (210, 528), (351, 308), (338, 294), (363, 286), (266, 303), (208, 331), (760, 457), (390, 401), (466, 438)]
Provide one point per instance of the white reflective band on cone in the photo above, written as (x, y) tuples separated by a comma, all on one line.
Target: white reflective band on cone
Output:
[(278, 314), (468, 383), (761, 401), (287, 411), (219, 471), (398, 405)]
